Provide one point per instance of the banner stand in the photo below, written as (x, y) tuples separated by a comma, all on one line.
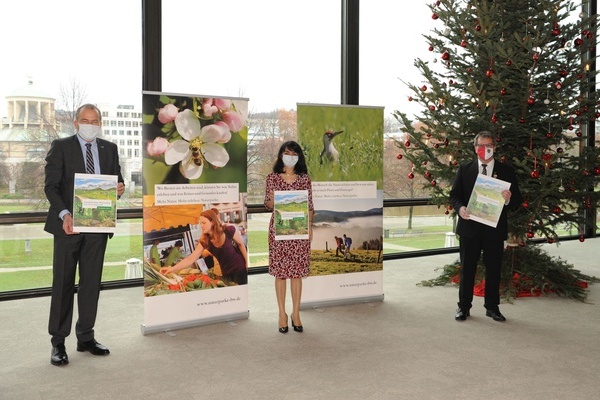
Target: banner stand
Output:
[(194, 323), (340, 302)]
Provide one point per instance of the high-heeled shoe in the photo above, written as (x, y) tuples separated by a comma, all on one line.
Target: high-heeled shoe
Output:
[(297, 328), (284, 329)]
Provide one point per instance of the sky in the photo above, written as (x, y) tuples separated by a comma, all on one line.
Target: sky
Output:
[(274, 53)]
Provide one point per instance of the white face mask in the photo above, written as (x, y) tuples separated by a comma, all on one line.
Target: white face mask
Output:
[(288, 160), (89, 132)]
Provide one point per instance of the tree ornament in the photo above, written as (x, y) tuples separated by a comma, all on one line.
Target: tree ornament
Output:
[(530, 235), (558, 85), (463, 43), (522, 120), (531, 101), (503, 91), (582, 238), (410, 98), (489, 73), (546, 101), (431, 107), (556, 210), (536, 56), (445, 56), (578, 42), (478, 27), (427, 175), (596, 170), (509, 62), (546, 157), (434, 16), (563, 73), (430, 48), (433, 183), (559, 150), (411, 175), (407, 143), (525, 204), (549, 135), (494, 118), (423, 88), (535, 174), (399, 156)]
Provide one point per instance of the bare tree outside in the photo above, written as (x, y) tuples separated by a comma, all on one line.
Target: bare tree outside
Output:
[(72, 94)]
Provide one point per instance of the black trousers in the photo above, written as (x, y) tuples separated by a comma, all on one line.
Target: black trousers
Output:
[(87, 250), (470, 252)]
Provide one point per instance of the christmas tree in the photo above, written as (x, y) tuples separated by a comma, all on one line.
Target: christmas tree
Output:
[(524, 70)]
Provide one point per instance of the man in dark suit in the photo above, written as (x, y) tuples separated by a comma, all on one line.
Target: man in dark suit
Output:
[(476, 237), (66, 157)]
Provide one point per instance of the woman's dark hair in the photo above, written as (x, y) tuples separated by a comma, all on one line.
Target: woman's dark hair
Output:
[(300, 167)]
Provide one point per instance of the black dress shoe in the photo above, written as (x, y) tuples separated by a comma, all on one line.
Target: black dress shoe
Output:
[(93, 347), (297, 328), (461, 315), (59, 356), (495, 315)]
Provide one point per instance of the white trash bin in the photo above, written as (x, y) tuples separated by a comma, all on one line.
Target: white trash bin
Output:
[(450, 239), (133, 268)]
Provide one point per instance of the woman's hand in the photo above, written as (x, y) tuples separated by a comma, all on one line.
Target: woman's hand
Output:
[(165, 270)]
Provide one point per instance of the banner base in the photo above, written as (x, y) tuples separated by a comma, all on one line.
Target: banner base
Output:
[(190, 324), (340, 302)]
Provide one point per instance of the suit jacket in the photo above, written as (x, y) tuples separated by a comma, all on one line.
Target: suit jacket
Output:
[(63, 160), (461, 192)]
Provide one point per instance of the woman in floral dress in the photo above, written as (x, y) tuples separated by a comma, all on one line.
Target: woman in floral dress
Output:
[(289, 259)]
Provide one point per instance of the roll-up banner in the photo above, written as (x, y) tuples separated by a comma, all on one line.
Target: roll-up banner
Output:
[(344, 155), (194, 160)]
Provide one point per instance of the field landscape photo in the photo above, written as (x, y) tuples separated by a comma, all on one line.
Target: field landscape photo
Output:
[(359, 219)]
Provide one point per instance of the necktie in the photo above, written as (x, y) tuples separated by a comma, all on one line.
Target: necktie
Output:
[(484, 172), (89, 159)]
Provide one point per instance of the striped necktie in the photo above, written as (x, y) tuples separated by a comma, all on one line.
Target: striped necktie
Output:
[(484, 172), (89, 159)]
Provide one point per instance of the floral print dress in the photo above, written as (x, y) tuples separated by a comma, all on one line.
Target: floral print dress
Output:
[(288, 258)]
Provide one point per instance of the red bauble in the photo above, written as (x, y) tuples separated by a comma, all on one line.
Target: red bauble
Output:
[(536, 56), (522, 243), (509, 62), (525, 204), (535, 174), (549, 135), (563, 72), (427, 175), (581, 238), (434, 16), (433, 183), (596, 170), (531, 101), (522, 120), (477, 28), (432, 108), (586, 172), (503, 91), (463, 43), (530, 234), (470, 70), (546, 157), (558, 85), (555, 32), (430, 48), (411, 175), (445, 56), (489, 73), (436, 145), (410, 98), (407, 143), (578, 133), (423, 88), (578, 42), (399, 156), (556, 210), (494, 118)]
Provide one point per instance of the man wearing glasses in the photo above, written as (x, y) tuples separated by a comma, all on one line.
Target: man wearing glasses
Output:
[(476, 237)]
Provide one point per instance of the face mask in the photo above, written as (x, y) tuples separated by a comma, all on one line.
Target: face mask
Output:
[(485, 153), (289, 161), (89, 132)]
